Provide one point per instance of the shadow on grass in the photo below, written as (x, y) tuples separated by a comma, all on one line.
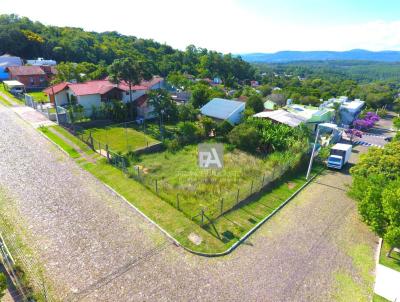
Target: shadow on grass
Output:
[(280, 187)]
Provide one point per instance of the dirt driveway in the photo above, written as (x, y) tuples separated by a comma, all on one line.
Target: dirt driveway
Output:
[(96, 248)]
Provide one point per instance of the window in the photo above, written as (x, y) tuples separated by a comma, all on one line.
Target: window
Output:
[(42, 79), (31, 80)]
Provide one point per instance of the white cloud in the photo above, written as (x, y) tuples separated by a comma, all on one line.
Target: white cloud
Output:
[(223, 25)]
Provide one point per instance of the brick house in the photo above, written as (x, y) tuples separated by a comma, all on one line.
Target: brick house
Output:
[(33, 77)]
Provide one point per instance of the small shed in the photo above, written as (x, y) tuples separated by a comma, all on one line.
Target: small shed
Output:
[(223, 109), (14, 86)]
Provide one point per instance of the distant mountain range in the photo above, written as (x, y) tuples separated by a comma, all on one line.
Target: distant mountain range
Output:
[(291, 56)]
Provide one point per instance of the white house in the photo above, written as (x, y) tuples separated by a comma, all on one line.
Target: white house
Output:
[(92, 93), (222, 109), (88, 94)]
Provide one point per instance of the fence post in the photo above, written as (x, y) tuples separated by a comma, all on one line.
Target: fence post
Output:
[(177, 201), (156, 186), (108, 153), (202, 216), (222, 205), (262, 185), (251, 189), (237, 197), (91, 140)]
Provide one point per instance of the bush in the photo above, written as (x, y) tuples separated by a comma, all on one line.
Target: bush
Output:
[(189, 133), (172, 145), (224, 128), (245, 137), (256, 103), (3, 285)]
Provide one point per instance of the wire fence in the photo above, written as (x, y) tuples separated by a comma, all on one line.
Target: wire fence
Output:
[(191, 201), (24, 270)]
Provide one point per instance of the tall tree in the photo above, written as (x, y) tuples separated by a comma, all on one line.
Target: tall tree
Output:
[(131, 70)]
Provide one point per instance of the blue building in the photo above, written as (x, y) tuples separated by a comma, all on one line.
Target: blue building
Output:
[(222, 109), (6, 61)]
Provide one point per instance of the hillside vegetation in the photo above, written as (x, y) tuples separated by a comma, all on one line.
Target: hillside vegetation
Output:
[(22, 37)]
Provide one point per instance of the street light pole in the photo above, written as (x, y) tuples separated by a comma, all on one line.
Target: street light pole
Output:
[(312, 154)]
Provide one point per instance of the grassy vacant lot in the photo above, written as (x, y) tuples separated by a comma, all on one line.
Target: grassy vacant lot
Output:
[(175, 222), (179, 173), (119, 138), (39, 97), (393, 262)]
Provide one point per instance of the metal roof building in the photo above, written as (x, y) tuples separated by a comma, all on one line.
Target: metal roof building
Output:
[(222, 109)]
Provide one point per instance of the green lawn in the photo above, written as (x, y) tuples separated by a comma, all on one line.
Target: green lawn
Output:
[(378, 298), (393, 262), (179, 177), (71, 151), (120, 139), (39, 97)]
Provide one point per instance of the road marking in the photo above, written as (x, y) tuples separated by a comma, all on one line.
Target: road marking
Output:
[(367, 144)]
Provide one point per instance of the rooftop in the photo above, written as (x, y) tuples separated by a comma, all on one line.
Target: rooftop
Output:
[(282, 116), (25, 70), (221, 108)]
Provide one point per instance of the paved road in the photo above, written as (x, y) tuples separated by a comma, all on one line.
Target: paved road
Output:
[(376, 136), (96, 248)]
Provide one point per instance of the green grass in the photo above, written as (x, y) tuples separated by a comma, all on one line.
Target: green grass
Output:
[(175, 222), (239, 221), (11, 96), (378, 298), (120, 139), (84, 147), (393, 262), (67, 148), (5, 102), (39, 97), (179, 173), (356, 284), (15, 232)]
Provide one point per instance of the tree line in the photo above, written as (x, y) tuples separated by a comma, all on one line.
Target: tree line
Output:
[(22, 37)]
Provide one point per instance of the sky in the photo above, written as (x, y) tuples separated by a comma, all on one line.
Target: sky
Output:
[(231, 26)]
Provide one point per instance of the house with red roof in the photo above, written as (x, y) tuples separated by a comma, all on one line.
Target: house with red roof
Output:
[(33, 77), (93, 93), (89, 94)]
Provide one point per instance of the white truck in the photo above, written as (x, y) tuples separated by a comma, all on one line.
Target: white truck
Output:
[(339, 156)]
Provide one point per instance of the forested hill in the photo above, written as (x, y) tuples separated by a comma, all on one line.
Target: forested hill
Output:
[(21, 37), (292, 56)]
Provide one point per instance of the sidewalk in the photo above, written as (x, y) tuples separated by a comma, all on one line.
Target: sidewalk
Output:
[(33, 117), (387, 283)]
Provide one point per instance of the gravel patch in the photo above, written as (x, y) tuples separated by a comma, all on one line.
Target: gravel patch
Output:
[(96, 248)]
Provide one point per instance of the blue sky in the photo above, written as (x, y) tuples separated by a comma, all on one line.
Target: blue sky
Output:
[(236, 26), (315, 11)]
